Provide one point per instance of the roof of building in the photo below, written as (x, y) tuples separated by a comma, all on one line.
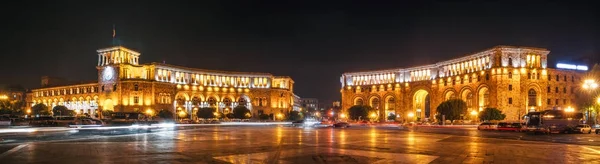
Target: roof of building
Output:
[(457, 58)]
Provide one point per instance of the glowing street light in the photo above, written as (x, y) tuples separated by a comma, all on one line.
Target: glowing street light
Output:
[(149, 112), (569, 109), (590, 84), (411, 114), (343, 115), (473, 113), (373, 115), (182, 113), (331, 113)]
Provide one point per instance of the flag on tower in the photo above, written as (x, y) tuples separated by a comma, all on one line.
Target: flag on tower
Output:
[(114, 31)]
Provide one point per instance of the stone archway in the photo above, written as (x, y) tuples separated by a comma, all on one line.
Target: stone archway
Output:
[(421, 105), (449, 95), (467, 96), (483, 97), (390, 106), (358, 101)]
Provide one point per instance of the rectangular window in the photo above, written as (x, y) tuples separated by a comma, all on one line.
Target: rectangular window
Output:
[(556, 77), (510, 87), (564, 101), (565, 78), (556, 89), (548, 89), (528, 75), (572, 79), (565, 90), (549, 77), (549, 102), (510, 75), (509, 100), (136, 99), (556, 101)]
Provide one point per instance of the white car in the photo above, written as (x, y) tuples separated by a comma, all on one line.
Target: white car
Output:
[(583, 128), (487, 126)]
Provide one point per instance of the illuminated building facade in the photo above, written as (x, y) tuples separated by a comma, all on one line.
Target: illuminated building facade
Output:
[(124, 85), (513, 79)]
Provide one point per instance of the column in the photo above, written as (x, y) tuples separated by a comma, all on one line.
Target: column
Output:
[(98, 60)]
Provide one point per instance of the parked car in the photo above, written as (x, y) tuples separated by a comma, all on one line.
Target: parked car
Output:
[(507, 126), (487, 126), (583, 128)]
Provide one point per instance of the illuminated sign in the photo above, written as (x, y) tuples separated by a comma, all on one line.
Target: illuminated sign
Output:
[(571, 66)]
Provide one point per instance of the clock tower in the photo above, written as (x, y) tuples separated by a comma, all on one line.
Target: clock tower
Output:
[(110, 62)]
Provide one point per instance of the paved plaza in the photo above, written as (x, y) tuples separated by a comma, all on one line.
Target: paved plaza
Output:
[(279, 144)]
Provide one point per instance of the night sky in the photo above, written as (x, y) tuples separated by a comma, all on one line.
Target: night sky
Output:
[(313, 42)]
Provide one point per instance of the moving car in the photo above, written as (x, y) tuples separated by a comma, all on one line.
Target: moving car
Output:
[(341, 125), (507, 126), (487, 126)]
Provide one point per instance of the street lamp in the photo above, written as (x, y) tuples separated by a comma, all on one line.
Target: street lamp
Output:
[(569, 109), (590, 84), (3, 97)]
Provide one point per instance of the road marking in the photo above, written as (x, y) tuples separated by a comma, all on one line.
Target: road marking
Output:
[(593, 150), (15, 149)]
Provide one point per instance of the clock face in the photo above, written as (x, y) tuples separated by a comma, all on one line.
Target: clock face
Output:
[(108, 74)]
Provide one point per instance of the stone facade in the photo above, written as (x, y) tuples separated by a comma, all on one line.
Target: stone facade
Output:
[(125, 86), (513, 79)]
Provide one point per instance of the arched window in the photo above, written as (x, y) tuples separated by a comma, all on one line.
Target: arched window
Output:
[(532, 96), (469, 100), (114, 87), (242, 101), (375, 103), (510, 63), (136, 87), (227, 102), (180, 100), (358, 101), (212, 101), (195, 101), (391, 103)]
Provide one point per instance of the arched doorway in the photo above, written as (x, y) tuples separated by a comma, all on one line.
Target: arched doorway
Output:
[(531, 99), (449, 95), (390, 106), (484, 98), (374, 102), (358, 101), (467, 96), (421, 106)]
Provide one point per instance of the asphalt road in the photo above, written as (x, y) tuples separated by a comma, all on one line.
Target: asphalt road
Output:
[(279, 144)]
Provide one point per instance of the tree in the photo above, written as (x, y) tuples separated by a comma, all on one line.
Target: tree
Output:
[(40, 109), (294, 115), (359, 112), (206, 113), (60, 110), (165, 114), (240, 112), (491, 114), (452, 109)]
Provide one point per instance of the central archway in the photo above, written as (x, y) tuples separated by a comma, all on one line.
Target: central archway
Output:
[(484, 98), (421, 105)]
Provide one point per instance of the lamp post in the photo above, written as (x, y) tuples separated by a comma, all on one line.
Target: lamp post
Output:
[(474, 114), (589, 85)]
